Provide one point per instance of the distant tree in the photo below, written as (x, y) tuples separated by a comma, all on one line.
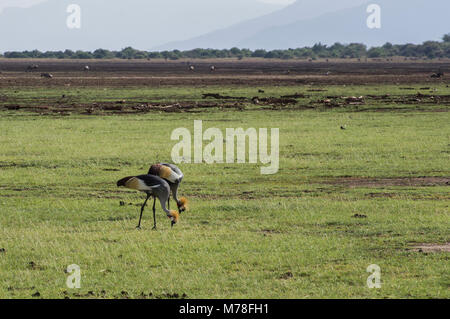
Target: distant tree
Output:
[(83, 55), (50, 55), (69, 53), (103, 54), (446, 49), (408, 50), (336, 50), (60, 55), (446, 38), (155, 55), (140, 55), (165, 54), (390, 50), (127, 53), (235, 51), (33, 54), (174, 55), (320, 50), (15, 55), (246, 52), (432, 49), (259, 53), (375, 52), (355, 50)]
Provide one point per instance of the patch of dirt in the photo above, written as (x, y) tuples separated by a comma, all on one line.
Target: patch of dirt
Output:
[(86, 295), (10, 288), (50, 106), (380, 195), (111, 108), (294, 96), (353, 182), (426, 248), (287, 275), (222, 97), (33, 266), (247, 195), (270, 231)]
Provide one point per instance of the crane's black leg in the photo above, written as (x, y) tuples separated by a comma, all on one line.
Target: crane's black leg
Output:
[(142, 211), (168, 203), (154, 213)]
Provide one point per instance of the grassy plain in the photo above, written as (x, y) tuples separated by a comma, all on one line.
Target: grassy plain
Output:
[(293, 234)]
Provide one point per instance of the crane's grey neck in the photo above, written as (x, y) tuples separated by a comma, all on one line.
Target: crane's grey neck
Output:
[(175, 193), (163, 205)]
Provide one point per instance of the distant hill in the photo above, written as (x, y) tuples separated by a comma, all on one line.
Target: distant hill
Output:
[(237, 34), (115, 24), (403, 21)]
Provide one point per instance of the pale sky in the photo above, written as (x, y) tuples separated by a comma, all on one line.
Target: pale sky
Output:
[(18, 3), (282, 2), (27, 3)]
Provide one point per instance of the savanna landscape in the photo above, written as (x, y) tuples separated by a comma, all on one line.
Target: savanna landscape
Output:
[(363, 179)]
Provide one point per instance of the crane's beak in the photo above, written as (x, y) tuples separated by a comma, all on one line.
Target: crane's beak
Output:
[(172, 223)]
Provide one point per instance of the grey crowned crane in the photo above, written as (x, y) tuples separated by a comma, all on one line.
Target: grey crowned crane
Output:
[(173, 176), (152, 186)]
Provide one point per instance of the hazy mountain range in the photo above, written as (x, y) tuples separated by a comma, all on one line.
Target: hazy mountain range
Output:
[(300, 24), (238, 34), (148, 24)]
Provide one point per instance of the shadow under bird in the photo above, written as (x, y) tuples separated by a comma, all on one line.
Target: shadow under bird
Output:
[(152, 186), (173, 176)]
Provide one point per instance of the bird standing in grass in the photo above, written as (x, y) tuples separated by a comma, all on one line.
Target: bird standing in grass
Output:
[(173, 176), (153, 186)]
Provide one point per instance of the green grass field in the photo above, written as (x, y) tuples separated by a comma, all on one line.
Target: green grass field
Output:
[(288, 235)]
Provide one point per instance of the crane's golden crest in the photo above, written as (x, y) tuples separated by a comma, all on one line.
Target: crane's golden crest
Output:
[(174, 216), (184, 203)]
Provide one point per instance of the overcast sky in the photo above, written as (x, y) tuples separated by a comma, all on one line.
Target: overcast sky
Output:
[(18, 3), (27, 3)]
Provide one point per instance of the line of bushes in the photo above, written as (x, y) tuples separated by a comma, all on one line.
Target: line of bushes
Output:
[(428, 49)]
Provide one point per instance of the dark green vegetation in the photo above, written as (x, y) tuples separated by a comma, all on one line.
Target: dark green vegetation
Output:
[(429, 49)]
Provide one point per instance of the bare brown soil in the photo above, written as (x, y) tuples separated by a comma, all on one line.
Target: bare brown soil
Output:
[(426, 248), (255, 73), (136, 73), (354, 182), (67, 106)]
